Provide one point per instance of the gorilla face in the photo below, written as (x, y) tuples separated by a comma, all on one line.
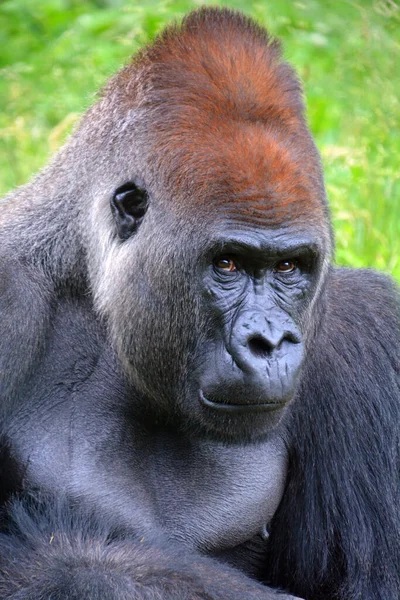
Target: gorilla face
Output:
[(215, 335), (256, 288)]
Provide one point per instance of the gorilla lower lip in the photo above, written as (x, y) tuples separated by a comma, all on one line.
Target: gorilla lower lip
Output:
[(240, 408)]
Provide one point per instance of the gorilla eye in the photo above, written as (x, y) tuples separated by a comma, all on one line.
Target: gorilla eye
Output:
[(128, 206), (285, 266), (225, 264)]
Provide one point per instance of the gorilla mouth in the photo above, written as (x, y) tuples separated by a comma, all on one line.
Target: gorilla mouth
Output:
[(235, 407)]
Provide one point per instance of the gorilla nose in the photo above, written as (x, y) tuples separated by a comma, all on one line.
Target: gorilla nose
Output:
[(256, 339), (259, 346)]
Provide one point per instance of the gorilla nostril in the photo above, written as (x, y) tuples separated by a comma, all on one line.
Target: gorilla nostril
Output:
[(259, 346)]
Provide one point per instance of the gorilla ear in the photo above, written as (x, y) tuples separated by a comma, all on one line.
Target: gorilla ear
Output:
[(128, 206)]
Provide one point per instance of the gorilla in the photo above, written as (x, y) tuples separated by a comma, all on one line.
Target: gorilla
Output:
[(196, 404)]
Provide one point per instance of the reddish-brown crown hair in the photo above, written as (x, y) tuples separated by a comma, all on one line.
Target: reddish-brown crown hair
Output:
[(224, 63), (225, 118)]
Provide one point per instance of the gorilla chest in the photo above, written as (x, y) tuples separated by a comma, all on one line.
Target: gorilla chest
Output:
[(215, 496)]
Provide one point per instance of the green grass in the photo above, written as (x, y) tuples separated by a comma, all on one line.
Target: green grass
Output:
[(56, 53)]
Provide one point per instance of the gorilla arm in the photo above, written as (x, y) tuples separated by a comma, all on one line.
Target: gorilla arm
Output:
[(56, 551)]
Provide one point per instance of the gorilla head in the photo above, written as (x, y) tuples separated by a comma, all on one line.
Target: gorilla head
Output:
[(217, 243)]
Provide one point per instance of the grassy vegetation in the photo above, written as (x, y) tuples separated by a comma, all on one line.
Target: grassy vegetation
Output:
[(56, 53)]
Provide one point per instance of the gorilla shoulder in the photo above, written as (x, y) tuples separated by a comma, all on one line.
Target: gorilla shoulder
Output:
[(368, 300), (25, 314)]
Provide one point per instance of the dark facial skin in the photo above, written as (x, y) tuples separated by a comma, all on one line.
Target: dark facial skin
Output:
[(256, 288)]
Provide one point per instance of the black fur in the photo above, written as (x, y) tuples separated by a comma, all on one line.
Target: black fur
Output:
[(11, 475)]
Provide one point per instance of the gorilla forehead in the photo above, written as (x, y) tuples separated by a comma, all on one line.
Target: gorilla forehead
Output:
[(248, 172)]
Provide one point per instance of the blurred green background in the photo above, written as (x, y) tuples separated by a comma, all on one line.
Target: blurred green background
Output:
[(55, 54)]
